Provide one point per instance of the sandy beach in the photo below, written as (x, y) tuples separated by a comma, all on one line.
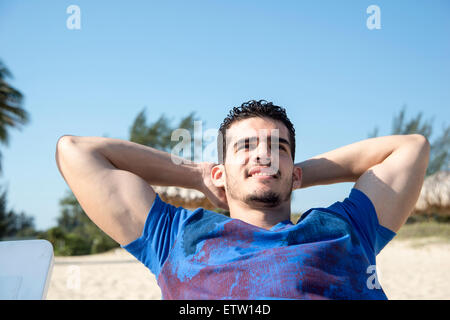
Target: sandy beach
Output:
[(407, 269)]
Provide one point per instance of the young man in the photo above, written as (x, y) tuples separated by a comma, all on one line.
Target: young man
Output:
[(256, 253)]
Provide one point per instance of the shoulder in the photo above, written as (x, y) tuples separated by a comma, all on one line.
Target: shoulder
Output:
[(359, 210), (325, 223)]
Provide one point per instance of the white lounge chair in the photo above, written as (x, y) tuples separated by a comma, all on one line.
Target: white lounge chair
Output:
[(25, 269)]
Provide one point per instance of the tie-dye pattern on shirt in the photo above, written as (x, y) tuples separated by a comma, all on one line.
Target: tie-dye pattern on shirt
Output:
[(216, 257)]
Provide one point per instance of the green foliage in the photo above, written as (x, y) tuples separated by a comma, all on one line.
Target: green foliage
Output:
[(425, 229), (76, 234), (66, 243), (158, 134), (440, 146), (399, 126), (12, 114), (440, 153), (14, 225)]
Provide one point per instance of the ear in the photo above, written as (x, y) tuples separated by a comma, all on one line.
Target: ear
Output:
[(297, 175), (218, 176)]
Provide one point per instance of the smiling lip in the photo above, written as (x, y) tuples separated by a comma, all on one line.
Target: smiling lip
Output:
[(262, 173)]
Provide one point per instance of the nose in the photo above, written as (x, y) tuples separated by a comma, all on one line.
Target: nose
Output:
[(262, 154)]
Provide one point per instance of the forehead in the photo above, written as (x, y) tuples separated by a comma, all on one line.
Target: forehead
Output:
[(252, 127)]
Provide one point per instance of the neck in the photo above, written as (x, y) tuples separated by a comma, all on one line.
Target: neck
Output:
[(260, 216)]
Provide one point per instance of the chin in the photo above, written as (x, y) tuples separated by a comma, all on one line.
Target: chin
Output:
[(267, 199)]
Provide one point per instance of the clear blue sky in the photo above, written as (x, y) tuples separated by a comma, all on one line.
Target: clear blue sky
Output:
[(336, 78)]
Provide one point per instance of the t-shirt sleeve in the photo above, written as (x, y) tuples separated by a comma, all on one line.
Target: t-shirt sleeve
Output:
[(160, 231), (360, 211)]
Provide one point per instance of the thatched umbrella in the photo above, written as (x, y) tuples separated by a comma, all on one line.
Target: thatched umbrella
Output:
[(186, 198), (435, 195)]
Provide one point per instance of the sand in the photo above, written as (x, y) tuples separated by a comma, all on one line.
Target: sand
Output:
[(416, 269)]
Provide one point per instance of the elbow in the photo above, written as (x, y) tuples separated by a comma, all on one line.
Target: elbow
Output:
[(64, 139), (63, 144), (420, 137), (424, 146), (422, 141)]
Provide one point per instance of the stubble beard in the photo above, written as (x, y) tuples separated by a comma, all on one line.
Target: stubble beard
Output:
[(267, 198)]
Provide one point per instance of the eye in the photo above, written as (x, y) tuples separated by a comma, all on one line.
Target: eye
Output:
[(280, 147), (246, 145)]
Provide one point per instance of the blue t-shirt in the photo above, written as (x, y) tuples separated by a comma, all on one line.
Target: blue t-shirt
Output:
[(202, 254)]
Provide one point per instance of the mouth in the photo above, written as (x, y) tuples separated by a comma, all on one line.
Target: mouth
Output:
[(262, 173), (263, 177)]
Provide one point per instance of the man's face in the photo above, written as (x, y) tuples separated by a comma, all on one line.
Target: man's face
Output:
[(258, 163)]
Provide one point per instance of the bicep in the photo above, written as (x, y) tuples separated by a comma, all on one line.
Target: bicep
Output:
[(117, 201), (394, 185)]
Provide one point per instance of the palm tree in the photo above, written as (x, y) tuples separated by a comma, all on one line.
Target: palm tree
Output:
[(12, 114), (440, 146)]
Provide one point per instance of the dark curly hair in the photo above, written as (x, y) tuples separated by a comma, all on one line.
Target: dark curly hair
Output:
[(251, 109)]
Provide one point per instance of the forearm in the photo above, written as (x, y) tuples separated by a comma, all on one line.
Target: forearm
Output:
[(154, 166), (348, 163)]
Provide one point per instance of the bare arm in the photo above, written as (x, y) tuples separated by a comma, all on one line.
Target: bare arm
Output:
[(111, 179), (390, 170)]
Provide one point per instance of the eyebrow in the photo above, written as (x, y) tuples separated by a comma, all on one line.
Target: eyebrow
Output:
[(254, 138)]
